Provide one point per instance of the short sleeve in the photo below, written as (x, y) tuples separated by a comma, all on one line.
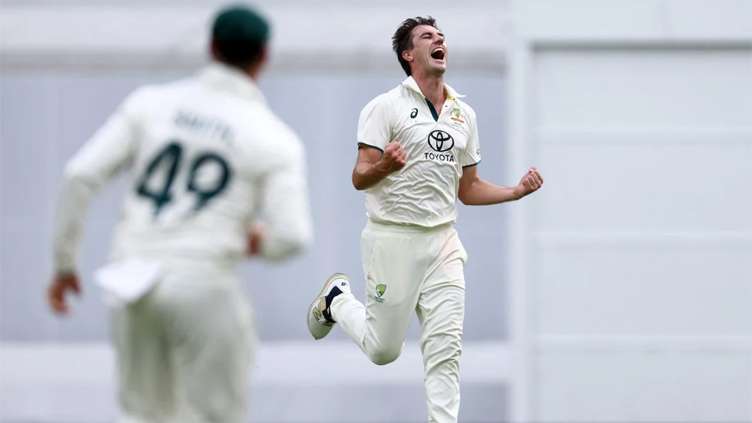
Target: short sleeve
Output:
[(374, 124), (471, 155)]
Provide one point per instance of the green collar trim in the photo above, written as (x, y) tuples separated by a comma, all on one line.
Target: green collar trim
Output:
[(434, 113)]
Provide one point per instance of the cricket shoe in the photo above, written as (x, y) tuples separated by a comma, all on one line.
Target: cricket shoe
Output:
[(320, 320)]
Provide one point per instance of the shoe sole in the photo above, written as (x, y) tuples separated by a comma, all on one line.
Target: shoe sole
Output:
[(313, 323)]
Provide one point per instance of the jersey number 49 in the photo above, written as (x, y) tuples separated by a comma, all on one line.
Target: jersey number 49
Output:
[(169, 159)]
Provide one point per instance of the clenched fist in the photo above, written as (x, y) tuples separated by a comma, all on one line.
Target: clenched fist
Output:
[(394, 157), (530, 182)]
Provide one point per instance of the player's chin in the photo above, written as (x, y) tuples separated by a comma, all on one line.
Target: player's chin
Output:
[(438, 66)]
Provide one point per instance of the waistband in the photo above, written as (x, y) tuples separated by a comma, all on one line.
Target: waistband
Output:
[(406, 227)]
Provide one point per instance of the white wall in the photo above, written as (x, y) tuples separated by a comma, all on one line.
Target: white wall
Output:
[(310, 35), (631, 265)]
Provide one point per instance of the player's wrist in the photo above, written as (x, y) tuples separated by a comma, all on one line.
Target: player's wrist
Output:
[(382, 168), (62, 272), (518, 192)]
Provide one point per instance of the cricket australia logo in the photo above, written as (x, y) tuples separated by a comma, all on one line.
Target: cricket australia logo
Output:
[(440, 141), (380, 290)]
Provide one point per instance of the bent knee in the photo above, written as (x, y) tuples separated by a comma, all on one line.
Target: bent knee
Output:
[(382, 356)]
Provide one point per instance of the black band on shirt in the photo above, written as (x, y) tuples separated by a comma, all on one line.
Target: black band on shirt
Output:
[(362, 144)]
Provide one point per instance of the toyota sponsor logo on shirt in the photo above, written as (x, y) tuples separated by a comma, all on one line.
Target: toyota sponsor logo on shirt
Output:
[(440, 141)]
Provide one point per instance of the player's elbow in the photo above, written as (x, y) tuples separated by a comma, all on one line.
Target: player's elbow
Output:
[(358, 182), (383, 357), (280, 251), (78, 177), (74, 173), (464, 197), (469, 192)]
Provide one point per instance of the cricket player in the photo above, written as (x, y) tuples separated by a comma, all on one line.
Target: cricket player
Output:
[(418, 151), (213, 174)]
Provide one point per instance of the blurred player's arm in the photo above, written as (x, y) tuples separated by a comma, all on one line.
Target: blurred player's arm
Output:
[(108, 151), (474, 191), (285, 228)]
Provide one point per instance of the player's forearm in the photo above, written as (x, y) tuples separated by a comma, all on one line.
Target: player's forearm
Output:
[(480, 193), (365, 175), (71, 210)]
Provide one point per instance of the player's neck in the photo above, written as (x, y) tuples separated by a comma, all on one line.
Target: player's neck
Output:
[(254, 71), (432, 87)]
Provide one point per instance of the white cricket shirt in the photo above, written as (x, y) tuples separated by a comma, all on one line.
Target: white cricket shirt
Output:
[(206, 158), (438, 143)]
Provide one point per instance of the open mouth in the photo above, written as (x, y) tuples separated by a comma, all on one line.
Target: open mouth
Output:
[(438, 54)]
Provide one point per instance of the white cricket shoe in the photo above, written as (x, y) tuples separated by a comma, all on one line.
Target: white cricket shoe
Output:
[(320, 320)]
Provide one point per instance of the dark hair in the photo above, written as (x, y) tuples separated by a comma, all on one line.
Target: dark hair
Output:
[(239, 35), (402, 40)]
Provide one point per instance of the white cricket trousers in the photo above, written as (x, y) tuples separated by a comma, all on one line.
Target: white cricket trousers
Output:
[(184, 350), (412, 269)]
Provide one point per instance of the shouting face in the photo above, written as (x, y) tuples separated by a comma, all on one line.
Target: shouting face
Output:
[(428, 54)]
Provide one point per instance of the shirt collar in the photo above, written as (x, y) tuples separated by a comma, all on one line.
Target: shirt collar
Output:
[(225, 78), (410, 83)]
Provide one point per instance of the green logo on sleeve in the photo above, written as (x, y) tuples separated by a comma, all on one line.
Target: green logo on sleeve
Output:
[(380, 290)]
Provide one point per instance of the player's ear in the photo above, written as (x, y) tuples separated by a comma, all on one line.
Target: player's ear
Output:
[(214, 51), (264, 55), (407, 55)]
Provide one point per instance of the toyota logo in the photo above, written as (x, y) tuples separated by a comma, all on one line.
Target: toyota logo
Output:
[(440, 141)]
